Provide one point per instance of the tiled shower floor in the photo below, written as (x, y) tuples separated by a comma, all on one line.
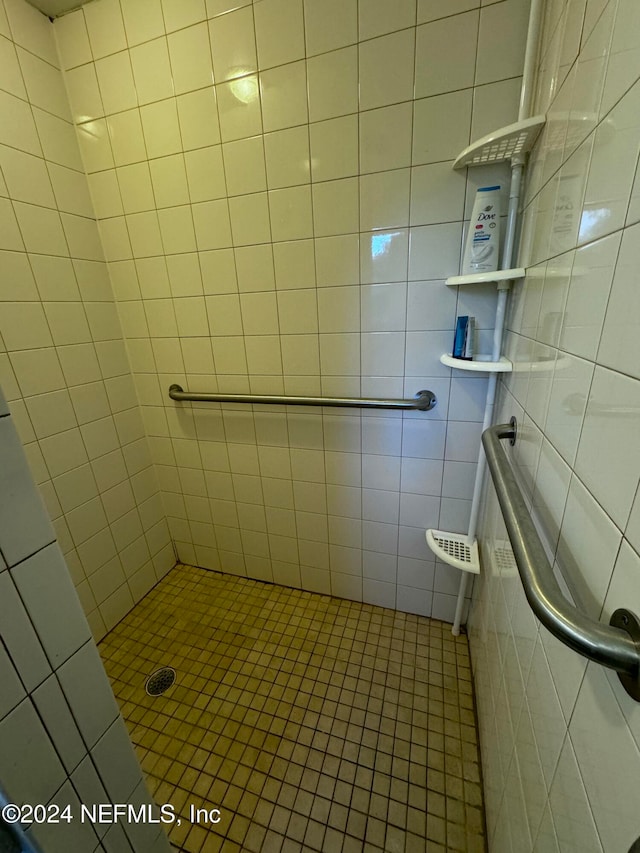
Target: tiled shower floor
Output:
[(312, 723)]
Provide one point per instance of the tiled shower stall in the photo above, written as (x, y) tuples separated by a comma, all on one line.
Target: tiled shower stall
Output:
[(287, 229), (258, 197)]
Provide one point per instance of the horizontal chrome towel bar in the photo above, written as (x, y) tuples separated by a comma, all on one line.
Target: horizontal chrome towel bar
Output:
[(616, 645), (424, 401)]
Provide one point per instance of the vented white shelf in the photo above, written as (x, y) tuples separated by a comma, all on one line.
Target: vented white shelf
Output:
[(479, 364), (486, 277), (508, 142), (452, 548)]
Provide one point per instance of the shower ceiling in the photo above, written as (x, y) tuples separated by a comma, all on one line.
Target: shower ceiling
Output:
[(54, 8)]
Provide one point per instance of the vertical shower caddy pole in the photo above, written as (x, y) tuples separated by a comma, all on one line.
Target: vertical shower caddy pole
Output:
[(517, 158), (503, 290)]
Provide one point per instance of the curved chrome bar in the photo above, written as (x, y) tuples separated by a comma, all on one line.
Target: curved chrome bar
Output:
[(424, 401), (615, 647)]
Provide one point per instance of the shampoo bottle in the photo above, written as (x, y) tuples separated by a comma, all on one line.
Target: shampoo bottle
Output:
[(483, 240)]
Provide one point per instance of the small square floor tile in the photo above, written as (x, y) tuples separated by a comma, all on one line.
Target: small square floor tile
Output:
[(315, 724)]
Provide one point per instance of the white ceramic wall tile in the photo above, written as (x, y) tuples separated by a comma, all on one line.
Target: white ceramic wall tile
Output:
[(94, 709), (198, 116), (279, 32), (58, 140), (21, 131), (339, 309), (620, 310), (386, 69), (41, 229), (384, 200), (377, 18), (189, 52), (610, 197), (233, 44), (68, 835), (12, 78), (330, 26), (609, 468), (383, 256), (84, 93), (31, 30), (495, 104), (152, 71), (127, 140), (161, 128), (441, 126), (71, 191), (19, 636), (254, 268), (116, 82), (438, 69), (244, 166), (116, 762), (340, 355), (177, 229), (614, 821), (591, 276), (573, 818), (284, 96), (135, 188), (294, 264), (106, 28), (36, 371), (26, 177), (169, 180), (24, 521), (334, 148), (287, 157), (11, 238), (44, 84), (212, 225), (291, 213), (219, 7), (335, 207), (142, 21), (501, 41), (15, 691), (183, 15), (250, 219), (383, 307), (25, 745), (337, 260), (424, 261), (385, 138), (46, 589), (239, 108), (437, 194), (333, 84)]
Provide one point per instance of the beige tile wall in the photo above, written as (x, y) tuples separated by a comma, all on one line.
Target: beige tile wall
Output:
[(63, 363), (277, 207), (560, 737), (62, 739)]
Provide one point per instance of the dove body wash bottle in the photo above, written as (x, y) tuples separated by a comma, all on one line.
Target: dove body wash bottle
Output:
[(483, 240)]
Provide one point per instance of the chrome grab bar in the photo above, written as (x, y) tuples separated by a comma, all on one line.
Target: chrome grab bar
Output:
[(616, 645), (424, 401)]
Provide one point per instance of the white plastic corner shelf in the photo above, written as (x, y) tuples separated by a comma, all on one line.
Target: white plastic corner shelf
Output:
[(507, 143), (482, 363), (453, 548), (479, 364)]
